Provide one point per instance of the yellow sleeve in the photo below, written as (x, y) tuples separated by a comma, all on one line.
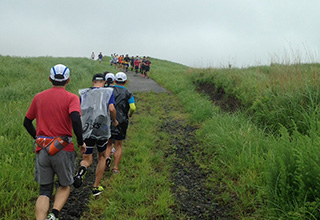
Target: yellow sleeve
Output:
[(132, 108)]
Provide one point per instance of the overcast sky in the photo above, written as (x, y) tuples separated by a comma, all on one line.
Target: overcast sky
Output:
[(197, 33)]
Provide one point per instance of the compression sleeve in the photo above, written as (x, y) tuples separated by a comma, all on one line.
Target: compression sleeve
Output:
[(132, 108), (132, 104), (30, 128), (77, 126)]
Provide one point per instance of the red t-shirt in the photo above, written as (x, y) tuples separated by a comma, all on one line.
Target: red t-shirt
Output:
[(51, 109), (136, 62)]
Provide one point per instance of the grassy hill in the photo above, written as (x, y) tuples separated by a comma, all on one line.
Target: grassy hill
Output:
[(263, 159)]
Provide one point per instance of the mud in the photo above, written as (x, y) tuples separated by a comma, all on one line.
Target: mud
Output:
[(219, 97), (194, 199), (79, 197)]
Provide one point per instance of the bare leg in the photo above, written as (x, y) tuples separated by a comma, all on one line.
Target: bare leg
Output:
[(87, 160), (117, 155), (61, 197), (101, 166), (42, 207), (109, 147)]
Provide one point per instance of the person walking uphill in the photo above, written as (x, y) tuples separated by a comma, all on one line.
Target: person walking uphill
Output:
[(97, 105), (56, 111), (125, 107)]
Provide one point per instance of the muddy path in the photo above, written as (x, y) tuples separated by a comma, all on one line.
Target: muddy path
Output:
[(79, 197), (194, 199)]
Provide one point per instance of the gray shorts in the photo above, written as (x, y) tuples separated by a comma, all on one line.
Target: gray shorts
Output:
[(62, 163)]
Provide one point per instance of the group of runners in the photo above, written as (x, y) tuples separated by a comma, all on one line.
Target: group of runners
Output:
[(124, 62), (99, 118), (138, 64)]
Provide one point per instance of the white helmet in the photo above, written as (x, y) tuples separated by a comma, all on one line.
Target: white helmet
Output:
[(121, 77)]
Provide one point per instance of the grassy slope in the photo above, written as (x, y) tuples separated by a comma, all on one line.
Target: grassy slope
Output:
[(248, 163)]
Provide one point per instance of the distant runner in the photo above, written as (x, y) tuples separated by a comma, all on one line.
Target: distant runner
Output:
[(147, 65), (126, 62), (132, 63), (136, 64), (142, 66), (100, 57)]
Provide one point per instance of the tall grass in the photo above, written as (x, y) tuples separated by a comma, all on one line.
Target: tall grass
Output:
[(273, 175)]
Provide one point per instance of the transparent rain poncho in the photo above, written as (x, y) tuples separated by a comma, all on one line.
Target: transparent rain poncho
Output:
[(95, 115)]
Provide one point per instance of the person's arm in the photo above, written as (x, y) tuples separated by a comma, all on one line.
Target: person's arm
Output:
[(113, 114), (113, 111), (30, 128), (77, 128), (132, 105)]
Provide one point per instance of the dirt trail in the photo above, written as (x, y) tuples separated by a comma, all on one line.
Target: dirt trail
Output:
[(194, 199), (79, 198), (142, 84)]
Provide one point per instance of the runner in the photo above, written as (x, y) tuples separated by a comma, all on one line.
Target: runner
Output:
[(56, 111), (120, 62), (115, 60), (125, 107), (136, 64), (97, 105), (147, 65), (93, 56), (126, 62), (110, 78), (100, 57), (142, 66), (132, 63), (111, 59)]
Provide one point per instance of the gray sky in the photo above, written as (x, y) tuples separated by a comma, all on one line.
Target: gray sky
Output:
[(198, 33)]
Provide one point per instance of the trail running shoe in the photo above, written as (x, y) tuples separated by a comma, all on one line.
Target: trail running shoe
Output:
[(78, 179), (97, 190), (108, 163), (51, 216), (115, 171)]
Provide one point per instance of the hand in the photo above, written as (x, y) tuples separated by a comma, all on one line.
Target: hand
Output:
[(115, 123), (83, 148)]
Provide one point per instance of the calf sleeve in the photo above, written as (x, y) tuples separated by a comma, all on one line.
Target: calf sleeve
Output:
[(46, 190)]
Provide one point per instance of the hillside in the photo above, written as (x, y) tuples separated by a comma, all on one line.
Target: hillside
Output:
[(220, 143)]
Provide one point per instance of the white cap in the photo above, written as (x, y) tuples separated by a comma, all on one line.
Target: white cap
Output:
[(59, 73), (110, 76), (121, 77)]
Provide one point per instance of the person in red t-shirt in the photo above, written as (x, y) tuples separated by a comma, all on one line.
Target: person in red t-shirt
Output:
[(136, 64), (57, 112)]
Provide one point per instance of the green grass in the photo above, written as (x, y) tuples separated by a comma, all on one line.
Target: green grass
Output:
[(264, 159)]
